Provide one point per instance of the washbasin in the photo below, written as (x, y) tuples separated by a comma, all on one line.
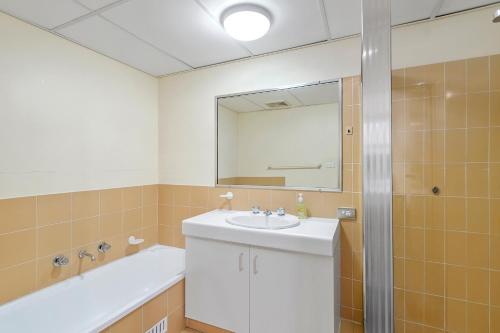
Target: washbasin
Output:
[(261, 221)]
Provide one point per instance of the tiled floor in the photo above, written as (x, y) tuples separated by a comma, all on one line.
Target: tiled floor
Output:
[(346, 327)]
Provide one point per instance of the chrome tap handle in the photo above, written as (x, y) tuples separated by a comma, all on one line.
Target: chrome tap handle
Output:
[(255, 210), (103, 247), (60, 260), (84, 253), (268, 212), (280, 211)]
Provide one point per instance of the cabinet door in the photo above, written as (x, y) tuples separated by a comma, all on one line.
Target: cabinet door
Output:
[(291, 292), (217, 284)]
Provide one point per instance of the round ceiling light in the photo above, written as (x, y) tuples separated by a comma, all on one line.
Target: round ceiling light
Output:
[(246, 22)]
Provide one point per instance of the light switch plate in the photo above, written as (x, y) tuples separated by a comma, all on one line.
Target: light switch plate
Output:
[(346, 213)]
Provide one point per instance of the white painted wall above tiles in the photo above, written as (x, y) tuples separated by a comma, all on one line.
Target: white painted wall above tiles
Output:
[(187, 100), (71, 119)]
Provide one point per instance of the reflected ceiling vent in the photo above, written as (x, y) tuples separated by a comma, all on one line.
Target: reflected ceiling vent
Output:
[(278, 105)]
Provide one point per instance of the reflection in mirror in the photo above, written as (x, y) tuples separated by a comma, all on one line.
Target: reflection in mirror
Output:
[(287, 138)]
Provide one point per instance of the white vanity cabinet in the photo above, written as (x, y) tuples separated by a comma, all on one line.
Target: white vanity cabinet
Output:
[(239, 281)]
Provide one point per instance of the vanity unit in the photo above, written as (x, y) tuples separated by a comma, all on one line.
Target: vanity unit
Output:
[(277, 277)]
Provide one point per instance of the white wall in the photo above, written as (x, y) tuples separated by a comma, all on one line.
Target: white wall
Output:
[(228, 143), (187, 107), (298, 136), (71, 119)]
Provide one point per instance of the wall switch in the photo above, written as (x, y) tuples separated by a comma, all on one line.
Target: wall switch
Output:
[(344, 213)]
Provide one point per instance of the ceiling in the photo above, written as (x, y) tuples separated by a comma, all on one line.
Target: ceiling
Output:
[(317, 94), (161, 37)]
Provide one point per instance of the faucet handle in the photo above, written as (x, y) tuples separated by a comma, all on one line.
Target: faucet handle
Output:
[(60, 260), (103, 247), (268, 212), (255, 209), (280, 211)]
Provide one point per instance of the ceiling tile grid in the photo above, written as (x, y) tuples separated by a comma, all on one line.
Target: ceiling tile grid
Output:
[(162, 37)]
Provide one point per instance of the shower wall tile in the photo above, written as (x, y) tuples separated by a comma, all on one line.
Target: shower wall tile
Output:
[(35, 229), (447, 244)]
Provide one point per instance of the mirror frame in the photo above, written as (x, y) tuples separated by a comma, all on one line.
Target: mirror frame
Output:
[(304, 188)]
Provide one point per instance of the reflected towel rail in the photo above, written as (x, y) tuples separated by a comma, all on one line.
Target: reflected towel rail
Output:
[(293, 167)]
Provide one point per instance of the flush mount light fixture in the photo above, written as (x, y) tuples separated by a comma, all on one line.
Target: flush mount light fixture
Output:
[(246, 22)]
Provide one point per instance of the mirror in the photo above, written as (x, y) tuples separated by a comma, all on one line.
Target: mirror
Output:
[(286, 138)]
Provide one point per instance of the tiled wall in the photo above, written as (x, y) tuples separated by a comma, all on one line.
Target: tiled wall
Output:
[(179, 202), (168, 304), (446, 133), (35, 229)]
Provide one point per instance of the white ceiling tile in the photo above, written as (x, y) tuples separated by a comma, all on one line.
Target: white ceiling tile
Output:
[(326, 93), (45, 13), (451, 6), (181, 28), (344, 17), (404, 11), (104, 37), (294, 23), (96, 4), (239, 104)]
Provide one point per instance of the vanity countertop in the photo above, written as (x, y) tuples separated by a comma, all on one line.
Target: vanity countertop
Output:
[(314, 235)]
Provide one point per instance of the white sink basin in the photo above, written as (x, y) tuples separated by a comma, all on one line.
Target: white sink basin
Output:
[(261, 221)]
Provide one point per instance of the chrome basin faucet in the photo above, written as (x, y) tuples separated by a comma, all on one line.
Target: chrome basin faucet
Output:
[(268, 212), (84, 253)]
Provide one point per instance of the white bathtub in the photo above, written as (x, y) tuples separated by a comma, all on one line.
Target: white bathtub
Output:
[(94, 300)]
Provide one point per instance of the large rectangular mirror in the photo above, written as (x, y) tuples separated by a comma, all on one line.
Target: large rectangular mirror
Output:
[(284, 138)]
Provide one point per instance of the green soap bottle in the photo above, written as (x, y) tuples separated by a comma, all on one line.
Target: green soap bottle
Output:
[(301, 207)]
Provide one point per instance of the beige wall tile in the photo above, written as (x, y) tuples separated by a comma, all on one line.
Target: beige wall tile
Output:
[(478, 283), (455, 77), (478, 213), (434, 245), (149, 216), (414, 275), (495, 287), (166, 195), (456, 282), (111, 201), (199, 196), (85, 231), (414, 211), (176, 321), (110, 225), (495, 319), (495, 108), (495, 180), (53, 208), (434, 278), (414, 243), (175, 297), (182, 195), (478, 250), (478, 110), (84, 204), (477, 317), (17, 247), (17, 281), (455, 249), (455, 114), (495, 72), (456, 315), (132, 323), (455, 214), (478, 74), (477, 180), (434, 311), (455, 180), (414, 306), (17, 214), (154, 311), (131, 197), (132, 220), (149, 195), (455, 146), (54, 239)]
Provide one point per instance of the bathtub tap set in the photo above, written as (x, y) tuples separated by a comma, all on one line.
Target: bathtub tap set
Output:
[(62, 260)]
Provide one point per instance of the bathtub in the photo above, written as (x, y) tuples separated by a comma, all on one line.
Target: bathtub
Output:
[(94, 300)]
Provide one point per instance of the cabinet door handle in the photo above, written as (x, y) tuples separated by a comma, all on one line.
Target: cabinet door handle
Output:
[(241, 262), (255, 271)]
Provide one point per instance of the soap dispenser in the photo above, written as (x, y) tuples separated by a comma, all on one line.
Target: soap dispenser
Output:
[(301, 207)]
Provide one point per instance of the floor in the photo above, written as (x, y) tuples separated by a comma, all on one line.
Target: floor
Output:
[(346, 327)]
